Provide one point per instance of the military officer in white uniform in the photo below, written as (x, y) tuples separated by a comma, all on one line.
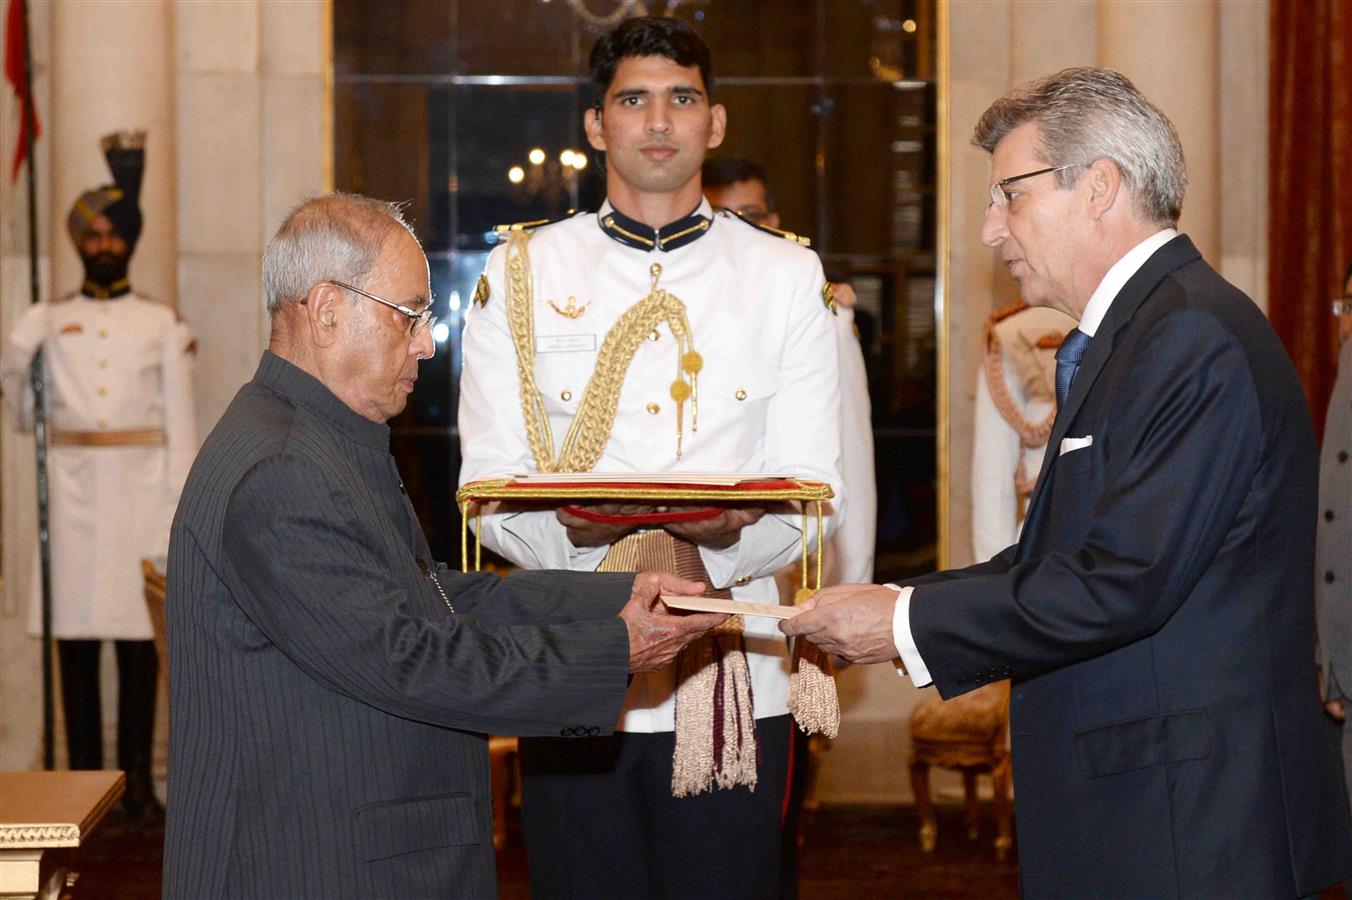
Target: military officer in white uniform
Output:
[(118, 369), (1015, 406), (736, 317)]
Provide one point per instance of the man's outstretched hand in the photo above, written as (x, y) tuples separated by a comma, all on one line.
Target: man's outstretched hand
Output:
[(849, 621), (657, 634)]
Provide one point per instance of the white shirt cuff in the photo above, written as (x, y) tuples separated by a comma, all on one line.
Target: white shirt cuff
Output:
[(911, 663)]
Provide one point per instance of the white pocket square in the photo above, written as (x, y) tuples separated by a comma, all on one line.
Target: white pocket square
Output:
[(1079, 443)]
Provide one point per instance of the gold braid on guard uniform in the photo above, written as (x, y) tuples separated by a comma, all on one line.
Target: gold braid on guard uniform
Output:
[(591, 426)]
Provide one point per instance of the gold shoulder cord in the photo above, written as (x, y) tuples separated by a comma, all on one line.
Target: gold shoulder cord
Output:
[(591, 426)]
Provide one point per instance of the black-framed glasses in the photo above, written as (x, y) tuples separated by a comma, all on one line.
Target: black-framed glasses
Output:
[(1000, 197), (418, 321)]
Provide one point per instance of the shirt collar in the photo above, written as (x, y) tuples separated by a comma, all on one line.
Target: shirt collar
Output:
[(303, 389), (1117, 277), (671, 236)]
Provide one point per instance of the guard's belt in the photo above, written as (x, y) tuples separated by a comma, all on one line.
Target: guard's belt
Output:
[(132, 437)]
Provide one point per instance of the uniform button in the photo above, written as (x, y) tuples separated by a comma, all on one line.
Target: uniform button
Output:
[(1328, 577), (103, 391), (103, 364), (103, 423), (653, 335), (745, 579), (1342, 456), (654, 408), (566, 396), (1328, 515), (103, 332), (741, 394)]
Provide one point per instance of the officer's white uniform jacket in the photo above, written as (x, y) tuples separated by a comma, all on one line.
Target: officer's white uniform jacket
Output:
[(849, 555), (111, 365), (768, 401), (997, 450)]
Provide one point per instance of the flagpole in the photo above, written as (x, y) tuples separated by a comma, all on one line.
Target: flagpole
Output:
[(39, 401)]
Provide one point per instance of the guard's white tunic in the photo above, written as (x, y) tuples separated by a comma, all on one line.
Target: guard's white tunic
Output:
[(768, 402), (850, 552), (997, 450), (111, 365)]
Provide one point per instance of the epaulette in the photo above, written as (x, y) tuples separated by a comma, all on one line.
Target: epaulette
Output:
[(504, 230), (777, 232), (1005, 312)]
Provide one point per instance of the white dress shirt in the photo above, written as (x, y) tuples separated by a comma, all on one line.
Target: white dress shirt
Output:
[(1094, 311)]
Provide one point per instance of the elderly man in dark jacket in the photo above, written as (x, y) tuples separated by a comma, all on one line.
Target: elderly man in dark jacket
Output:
[(331, 682)]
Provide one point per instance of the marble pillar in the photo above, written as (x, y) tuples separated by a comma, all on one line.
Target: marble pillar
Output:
[(112, 69), (1170, 51)]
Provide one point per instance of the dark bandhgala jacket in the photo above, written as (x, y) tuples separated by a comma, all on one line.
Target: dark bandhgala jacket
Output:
[(1156, 616), (328, 707)]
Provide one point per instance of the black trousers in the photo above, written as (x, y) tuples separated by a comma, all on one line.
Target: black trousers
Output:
[(137, 671), (600, 821)]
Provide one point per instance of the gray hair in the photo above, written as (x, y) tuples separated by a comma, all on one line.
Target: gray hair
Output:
[(333, 237), (1084, 114)]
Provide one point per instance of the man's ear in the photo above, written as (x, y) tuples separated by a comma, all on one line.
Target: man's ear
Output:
[(1104, 180), (591, 123), (320, 308), (719, 114)]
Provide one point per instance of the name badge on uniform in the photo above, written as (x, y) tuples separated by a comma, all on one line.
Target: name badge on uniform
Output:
[(565, 343)]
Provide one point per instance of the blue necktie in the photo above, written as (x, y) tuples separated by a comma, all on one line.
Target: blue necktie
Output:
[(1068, 357)]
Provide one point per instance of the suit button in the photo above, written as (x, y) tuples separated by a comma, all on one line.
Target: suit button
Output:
[(565, 732), (566, 396), (1328, 515), (654, 409), (593, 731), (745, 579), (741, 394), (1328, 577)]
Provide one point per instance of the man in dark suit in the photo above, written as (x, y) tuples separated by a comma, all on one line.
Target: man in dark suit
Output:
[(331, 683), (1156, 616)]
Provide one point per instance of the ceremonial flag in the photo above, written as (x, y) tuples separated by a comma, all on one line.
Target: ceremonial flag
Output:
[(16, 59)]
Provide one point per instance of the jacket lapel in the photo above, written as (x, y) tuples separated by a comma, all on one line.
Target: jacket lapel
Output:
[(1177, 252)]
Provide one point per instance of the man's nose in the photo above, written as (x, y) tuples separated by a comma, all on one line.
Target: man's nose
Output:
[(423, 344), (659, 122), (994, 229)]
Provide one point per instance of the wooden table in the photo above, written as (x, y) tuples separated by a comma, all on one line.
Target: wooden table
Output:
[(44, 811)]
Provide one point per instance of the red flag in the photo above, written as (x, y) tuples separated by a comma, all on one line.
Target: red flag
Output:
[(16, 55)]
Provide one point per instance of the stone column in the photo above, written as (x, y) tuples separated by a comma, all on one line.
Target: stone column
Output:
[(111, 69), (1047, 36), (1169, 49)]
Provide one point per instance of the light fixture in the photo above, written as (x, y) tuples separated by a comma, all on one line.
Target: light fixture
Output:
[(440, 332), (579, 161), (516, 174), (536, 156), (566, 157), (908, 26)]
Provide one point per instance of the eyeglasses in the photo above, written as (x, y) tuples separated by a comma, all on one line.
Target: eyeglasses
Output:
[(1001, 198), (418, 321)]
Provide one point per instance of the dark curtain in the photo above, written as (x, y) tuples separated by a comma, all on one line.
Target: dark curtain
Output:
[(1310, 189)]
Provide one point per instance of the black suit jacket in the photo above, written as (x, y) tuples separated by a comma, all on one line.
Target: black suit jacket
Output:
[(1156, 616), (328, 709)]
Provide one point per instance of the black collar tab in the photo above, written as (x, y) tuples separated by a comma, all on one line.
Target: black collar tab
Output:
[(672, 236), (95, 291)]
